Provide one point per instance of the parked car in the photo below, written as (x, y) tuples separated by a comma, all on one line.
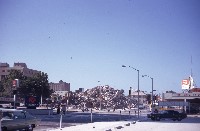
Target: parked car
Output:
[(13, 119), (141, 106), (85, 109), (170, 114)]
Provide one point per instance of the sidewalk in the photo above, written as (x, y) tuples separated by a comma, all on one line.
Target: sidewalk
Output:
[(192, 123), (97, 126)]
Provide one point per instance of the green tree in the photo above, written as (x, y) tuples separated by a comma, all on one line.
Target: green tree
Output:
[(1, 88), (7, 88), (36, 85), (42, 85)]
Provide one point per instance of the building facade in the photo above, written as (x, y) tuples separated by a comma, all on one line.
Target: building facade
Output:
[(142, 96), (60, 89), (193, 98), (22, 67), (61, 86)]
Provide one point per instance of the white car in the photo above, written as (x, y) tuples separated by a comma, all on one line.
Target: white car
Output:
[(13, 119)]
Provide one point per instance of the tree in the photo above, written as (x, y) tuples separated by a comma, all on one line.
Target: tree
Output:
[(1, 88), (41, 85), (37, 85), (148, 98), (6, 85)]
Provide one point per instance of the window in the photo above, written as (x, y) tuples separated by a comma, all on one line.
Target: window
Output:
[(8, 115), (19, 115)]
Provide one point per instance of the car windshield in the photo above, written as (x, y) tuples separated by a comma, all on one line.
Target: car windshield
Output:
[(28, 115), (8, 115), (163, 112)]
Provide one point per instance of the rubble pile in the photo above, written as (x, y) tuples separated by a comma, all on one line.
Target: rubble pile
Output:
[(104, 97)]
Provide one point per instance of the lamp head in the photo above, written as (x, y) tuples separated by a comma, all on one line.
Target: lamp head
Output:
[(123, 66)]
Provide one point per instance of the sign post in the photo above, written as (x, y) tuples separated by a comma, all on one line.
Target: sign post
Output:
[(14, 101), (1, 115), (15, 84), (91, 115), (61, 121)]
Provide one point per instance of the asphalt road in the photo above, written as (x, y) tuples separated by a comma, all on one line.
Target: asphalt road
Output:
[(190, 123), (77, 118)]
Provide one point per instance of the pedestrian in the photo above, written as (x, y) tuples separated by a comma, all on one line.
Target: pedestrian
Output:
[(64, 109), (58, 109)]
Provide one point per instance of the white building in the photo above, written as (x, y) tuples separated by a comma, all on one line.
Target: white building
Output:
[(142, 96)]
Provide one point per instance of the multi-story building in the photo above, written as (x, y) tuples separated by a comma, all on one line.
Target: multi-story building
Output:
[(79, 90), (60, 89), (142, 96), (5, 70), (61, 86)]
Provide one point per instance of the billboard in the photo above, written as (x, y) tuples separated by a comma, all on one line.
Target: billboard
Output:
[(185, 84), (31, 102), (188, 84)]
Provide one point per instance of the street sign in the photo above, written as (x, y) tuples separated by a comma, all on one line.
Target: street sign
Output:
[(6, 99), (15, 84), (32, 102)]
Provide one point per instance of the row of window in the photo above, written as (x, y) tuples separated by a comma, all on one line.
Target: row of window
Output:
[(30, 72), (5, 70), (58, 88)]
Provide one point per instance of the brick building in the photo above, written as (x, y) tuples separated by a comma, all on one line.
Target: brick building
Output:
[(5, 69), (61, 86)]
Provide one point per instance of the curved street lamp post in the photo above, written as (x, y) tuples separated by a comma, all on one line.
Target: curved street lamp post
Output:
[(138, 85), (152, 101)]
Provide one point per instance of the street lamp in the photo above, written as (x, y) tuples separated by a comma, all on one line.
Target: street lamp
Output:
[(151, 90), (100, 95), (138, 85)]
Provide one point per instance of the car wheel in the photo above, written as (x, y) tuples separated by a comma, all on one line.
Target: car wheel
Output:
[(33, 126), (179, 119), (4, 128), (30, 128), (158, 118), (153, 119)]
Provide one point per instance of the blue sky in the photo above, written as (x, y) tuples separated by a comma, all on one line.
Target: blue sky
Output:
[(86, 41)]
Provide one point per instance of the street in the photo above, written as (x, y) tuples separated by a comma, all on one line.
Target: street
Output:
[(105, 121)]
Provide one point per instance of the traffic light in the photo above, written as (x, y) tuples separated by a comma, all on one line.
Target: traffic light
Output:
[(149, 98), (129, 92), (154, 98), (14, 92)]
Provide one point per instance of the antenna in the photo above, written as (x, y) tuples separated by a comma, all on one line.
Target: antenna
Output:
[(192, 82), (191, 66)]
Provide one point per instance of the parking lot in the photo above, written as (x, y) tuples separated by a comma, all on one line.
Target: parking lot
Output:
[(105, 121)]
